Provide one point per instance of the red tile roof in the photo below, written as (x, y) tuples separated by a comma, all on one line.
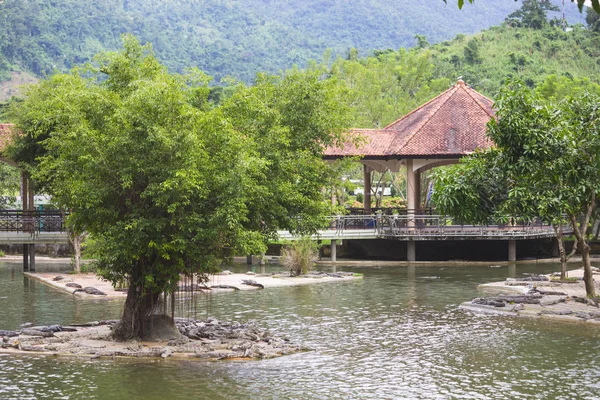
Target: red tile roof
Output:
[(5, 135), (453, 123)]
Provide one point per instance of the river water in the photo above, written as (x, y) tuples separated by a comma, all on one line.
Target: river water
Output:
[(395, 334)]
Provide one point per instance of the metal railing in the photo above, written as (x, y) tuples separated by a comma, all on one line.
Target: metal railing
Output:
[(413, 225), (32, 221)]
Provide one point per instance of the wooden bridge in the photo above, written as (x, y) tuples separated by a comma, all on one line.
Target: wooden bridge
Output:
[(411, 227)]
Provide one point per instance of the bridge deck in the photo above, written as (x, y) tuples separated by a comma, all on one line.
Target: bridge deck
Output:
[(424, 227)]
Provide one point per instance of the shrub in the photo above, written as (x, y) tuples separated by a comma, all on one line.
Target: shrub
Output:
[(300, 256)]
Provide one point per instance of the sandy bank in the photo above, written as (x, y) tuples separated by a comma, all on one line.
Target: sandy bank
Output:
[(551, 299), (224, 282)]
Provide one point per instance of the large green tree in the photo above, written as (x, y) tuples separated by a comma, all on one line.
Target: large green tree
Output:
[(546, 164), (167, 184)]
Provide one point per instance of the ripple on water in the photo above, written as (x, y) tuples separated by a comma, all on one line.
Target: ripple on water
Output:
[(391, 335)]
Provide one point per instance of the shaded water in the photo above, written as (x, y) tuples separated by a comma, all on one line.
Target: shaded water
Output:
[(395, 334)]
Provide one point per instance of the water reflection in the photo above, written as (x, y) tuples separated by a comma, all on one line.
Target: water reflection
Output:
[(395, 334)]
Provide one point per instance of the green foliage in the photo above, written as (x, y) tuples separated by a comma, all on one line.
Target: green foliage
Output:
[(545, 164), (473, 190), (166, 184), (236, 37), (592, 19), (385, 87), (10, 184), (531, 55), (472, 55), (533, 14), (299, 257)]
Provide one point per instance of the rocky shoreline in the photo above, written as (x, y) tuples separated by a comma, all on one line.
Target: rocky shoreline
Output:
[(210, 339), (539, 296)]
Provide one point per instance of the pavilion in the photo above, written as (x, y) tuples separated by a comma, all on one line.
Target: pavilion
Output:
[(439, 132)]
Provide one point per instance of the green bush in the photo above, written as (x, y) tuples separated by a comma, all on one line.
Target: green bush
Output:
[(300, 256)]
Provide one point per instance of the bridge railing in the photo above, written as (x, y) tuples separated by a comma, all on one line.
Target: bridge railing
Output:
[(35, 221), (437, 226)]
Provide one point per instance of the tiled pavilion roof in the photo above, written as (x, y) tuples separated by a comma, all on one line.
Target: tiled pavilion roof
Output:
[(450, 125)]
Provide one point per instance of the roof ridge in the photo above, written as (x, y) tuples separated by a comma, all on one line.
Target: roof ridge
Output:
[(469, 92), (418, 108), (450, 92)]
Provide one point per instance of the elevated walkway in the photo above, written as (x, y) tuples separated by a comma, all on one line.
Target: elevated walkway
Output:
[(415, 227)]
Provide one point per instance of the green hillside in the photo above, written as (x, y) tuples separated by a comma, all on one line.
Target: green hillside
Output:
[(390, 83), (487, 59), (229, 37)]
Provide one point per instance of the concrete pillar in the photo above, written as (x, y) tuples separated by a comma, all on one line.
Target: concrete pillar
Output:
[(413, 187), (333, 250), (512, 270), (367, 188), (411, 251), (512, 250), (249, 259), (26, 257), (31, 257)]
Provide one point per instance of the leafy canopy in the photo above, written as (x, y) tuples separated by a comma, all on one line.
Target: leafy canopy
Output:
[(166, 182)]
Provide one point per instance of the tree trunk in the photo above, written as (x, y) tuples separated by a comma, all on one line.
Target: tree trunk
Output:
[(580, 231), (564, 257), (588, 278), (139, 319), (76, 242)]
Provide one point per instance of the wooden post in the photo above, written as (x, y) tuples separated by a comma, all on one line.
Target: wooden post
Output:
[(367, 189)]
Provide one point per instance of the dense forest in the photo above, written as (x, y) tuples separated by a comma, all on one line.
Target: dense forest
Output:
[(230, 37)]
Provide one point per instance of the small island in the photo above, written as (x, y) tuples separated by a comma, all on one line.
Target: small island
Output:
[(539, 296)]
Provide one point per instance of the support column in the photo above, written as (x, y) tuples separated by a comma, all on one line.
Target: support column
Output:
[(413, 186), (249, 259), (411, 251), (413, 192), (333, 250), (367, 188), (26, 257), (31, 257), (512, 270), (512, 250), (25, 203)]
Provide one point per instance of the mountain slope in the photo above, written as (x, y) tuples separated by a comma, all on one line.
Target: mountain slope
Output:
[(229, 37)]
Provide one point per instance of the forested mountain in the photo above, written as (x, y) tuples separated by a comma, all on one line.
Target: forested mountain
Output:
[(391, 83), (230, 37)]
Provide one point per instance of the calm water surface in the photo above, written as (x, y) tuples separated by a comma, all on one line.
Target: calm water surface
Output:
[(395, 334)]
